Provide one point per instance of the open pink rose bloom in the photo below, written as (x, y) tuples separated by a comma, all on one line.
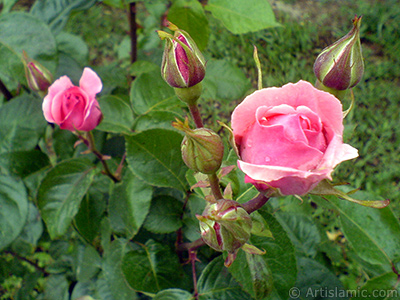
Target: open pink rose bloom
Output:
[(72, 107), (290, 138)]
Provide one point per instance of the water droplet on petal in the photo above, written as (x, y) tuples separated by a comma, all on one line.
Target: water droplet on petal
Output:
[(249, 143), (267, 159)]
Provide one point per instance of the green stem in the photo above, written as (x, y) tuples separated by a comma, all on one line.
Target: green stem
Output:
[(214, 184)]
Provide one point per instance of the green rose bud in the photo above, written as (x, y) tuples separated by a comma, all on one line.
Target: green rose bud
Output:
[(225, 226), (183, 65), (202, 149), (340, 66), (37, 76)]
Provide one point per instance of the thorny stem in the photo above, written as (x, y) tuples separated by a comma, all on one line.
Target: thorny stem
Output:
[(214, 184), (194, 111), (89, 142)]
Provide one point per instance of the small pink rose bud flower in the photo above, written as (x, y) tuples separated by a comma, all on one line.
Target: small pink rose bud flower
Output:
[(74, 107), (340, 66), (225, 225), (202, 149), (37, 76), (183, 65)]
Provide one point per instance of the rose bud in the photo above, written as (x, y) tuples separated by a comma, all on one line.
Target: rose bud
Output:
[(340, 66), (183, 65), (202, 149), (37, 76), (289, 138), (225, 225), (74, 107)]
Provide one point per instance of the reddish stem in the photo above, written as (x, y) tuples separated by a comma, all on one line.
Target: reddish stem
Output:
[(194, 111)]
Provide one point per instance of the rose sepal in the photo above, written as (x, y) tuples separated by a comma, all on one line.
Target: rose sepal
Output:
[(325, 188)]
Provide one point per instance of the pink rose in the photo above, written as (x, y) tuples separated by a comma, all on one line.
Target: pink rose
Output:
[(290, 138), (72, 107)]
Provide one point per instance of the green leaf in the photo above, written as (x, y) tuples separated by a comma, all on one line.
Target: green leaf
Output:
[(89, 265), (314, 280), (117, 115), (243, 16), (216, 282), (165, 215), (302, 231), (27, 240), (112, 281), (14, 209), (367, 229), (140, 67), (189, 15), (56, 288), (150, 92), (73, 46), (279, 258), (56, 12), (230, 81), (23, 31), (156, 119), (115, 3), (61, 192), (383, 287), (154, 156), (7, 5), (173, 294), (92, 208), (129, 205), (251, 271), (11, 67), (21, 124), (153, 268), (23, 163)]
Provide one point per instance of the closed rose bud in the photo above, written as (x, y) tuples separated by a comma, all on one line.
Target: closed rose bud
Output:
[(183, 65), (225, 225), (38, 77), (340, 66), (202, 149)]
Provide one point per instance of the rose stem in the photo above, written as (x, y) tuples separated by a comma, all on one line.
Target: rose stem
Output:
[(194, 111), (132, 31), (193, 258), (250, 206), (214, 184), (256, 203), (89, 142)]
